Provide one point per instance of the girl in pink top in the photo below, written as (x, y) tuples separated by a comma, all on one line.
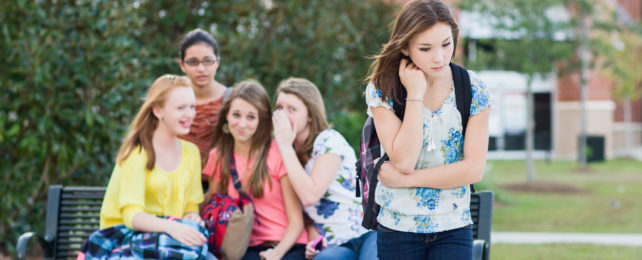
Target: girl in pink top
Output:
[(243, 131)]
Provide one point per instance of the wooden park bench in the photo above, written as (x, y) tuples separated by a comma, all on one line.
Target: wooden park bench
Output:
[(73, 213)]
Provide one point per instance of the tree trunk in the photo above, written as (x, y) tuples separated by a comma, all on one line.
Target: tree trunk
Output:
[(627, 126), (584, 60), (530, 131)]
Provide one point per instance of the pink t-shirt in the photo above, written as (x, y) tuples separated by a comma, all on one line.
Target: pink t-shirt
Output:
[(270, 209)]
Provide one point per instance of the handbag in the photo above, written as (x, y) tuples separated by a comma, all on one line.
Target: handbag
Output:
[(229, 221)]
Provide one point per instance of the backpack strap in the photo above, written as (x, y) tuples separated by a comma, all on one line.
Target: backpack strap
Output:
[(400, 107), (235, 176), (463, 97), (463, 93), (238, 186)]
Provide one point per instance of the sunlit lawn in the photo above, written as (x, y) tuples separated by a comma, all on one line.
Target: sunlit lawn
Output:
[(563, 251), (611, 202)]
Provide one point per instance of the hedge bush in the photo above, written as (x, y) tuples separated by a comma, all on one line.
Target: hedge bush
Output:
[(74, 74)]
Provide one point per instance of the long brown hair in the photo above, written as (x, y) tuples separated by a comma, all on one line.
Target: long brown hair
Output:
[(415, 17), (145, 123), (254, 93), (309, 94)]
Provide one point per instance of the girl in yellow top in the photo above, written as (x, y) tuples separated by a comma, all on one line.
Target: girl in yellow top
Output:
[(157, 176)]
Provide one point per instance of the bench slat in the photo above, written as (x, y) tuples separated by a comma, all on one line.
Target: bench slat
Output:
[(79, 215), (75, 209), (69, 236), (72, 243), (79, 222), (83, 196), (81, 203), (84, 188), (72, 228), (71, 247), (70, 254)]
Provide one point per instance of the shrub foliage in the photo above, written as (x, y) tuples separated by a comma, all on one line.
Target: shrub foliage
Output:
[(74, 73)]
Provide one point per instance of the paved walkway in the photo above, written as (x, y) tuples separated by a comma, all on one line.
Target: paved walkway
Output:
[(579, 238)]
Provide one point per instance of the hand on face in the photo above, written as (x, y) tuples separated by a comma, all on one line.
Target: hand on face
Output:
[(284, 130), (412, 78)]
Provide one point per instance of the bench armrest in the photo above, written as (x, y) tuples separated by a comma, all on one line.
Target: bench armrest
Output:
[(479, 246), (23, 240)]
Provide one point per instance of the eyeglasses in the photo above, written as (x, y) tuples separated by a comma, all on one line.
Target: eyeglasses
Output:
[(194, 62)]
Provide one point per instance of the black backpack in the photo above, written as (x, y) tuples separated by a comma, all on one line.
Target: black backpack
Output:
[(369, 146)]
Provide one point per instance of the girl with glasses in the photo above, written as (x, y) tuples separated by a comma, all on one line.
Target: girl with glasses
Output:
[(199, 60)]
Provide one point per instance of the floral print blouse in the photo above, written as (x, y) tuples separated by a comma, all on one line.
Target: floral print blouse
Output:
[(338, 213), (428, 210)]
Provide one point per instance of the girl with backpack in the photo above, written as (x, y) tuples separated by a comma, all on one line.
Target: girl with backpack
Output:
[(424, 190), (199, 60), (155, 188), (321, 167), (243, 134)]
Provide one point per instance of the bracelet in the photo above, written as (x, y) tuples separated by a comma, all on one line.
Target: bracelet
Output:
[(415, 99)]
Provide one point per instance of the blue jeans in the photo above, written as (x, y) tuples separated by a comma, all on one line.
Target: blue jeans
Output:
[(362, 248), (451, 244)]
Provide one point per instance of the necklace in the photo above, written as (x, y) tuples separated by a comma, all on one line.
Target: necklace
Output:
[(431, 141)]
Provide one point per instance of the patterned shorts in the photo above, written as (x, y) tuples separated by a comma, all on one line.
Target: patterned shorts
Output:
[(121, 242)]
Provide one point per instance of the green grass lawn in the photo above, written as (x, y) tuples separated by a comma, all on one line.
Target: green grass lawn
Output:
[(611, 201), (563, 251)]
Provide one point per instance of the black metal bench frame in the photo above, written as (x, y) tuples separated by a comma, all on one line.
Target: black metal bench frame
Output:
[(481, 210), (73, 213)]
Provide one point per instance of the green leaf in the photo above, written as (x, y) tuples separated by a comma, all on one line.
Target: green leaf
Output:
[(13, 131), (88, 118)]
